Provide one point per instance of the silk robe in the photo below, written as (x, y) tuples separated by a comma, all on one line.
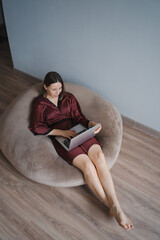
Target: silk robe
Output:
[(46, 116)]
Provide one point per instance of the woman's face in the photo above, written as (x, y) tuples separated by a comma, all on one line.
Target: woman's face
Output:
[(53, 90)]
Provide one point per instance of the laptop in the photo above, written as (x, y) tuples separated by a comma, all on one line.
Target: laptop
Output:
[(83, 135)]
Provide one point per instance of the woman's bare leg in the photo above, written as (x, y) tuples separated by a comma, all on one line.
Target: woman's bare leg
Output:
[(97, 157), (83, 162)]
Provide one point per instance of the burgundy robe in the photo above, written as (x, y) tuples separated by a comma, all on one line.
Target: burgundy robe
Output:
[(46, 116)]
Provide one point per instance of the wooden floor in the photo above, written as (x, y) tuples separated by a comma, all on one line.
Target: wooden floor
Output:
[(32, 211)]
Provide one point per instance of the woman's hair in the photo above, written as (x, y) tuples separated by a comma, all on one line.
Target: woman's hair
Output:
[(53, 77)]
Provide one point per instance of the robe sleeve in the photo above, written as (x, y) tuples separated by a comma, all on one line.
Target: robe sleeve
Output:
[(77, 114), (37, 120)]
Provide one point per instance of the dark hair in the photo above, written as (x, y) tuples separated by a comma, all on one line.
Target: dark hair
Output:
[(53, 77)]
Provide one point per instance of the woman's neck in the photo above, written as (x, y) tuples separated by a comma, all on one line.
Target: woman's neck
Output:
[(53, 100)]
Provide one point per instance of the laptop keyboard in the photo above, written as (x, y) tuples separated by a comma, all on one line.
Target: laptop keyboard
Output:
[(82, 131), (66, 142)]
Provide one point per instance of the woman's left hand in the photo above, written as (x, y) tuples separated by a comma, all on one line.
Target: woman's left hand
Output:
[(92, 124)]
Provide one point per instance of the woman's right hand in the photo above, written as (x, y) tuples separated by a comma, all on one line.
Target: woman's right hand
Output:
[(68, 133)]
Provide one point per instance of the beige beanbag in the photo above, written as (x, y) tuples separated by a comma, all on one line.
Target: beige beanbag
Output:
[(35, 156)]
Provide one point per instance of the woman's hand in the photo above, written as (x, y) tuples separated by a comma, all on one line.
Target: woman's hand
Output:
[(68, 133), (64, 133), (92, 124)]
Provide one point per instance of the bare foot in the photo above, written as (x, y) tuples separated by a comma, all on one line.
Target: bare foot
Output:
[(121, 218)]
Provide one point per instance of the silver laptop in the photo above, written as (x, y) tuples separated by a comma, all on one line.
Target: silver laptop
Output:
[(83, 135)]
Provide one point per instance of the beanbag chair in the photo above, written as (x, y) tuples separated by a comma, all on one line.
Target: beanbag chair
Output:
[(35, 156)]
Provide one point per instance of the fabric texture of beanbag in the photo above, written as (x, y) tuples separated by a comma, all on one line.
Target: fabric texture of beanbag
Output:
[(35, 156)]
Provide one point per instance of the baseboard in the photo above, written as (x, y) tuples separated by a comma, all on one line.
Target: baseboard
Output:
[(140, 127)]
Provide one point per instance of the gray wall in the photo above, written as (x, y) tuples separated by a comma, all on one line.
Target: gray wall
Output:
[(111, 46), (1, 14)]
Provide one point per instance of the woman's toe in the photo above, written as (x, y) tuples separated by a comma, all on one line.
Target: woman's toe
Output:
[(126, 227), (131, 225)]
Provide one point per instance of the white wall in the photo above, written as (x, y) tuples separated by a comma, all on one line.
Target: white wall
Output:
[(111, 46)]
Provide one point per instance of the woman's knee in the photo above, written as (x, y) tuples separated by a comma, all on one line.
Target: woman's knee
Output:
[(97, 156), (84, 163), (89, 168)]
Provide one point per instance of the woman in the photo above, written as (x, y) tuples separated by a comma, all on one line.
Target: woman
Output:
[(53, 114)]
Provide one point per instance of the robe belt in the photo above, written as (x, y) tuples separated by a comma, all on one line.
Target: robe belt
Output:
[(63, 120)]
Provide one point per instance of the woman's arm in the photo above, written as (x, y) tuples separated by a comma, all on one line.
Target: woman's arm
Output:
[(76, 112), (37, 121), (70, 133), (78, 116), (64, 133)]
